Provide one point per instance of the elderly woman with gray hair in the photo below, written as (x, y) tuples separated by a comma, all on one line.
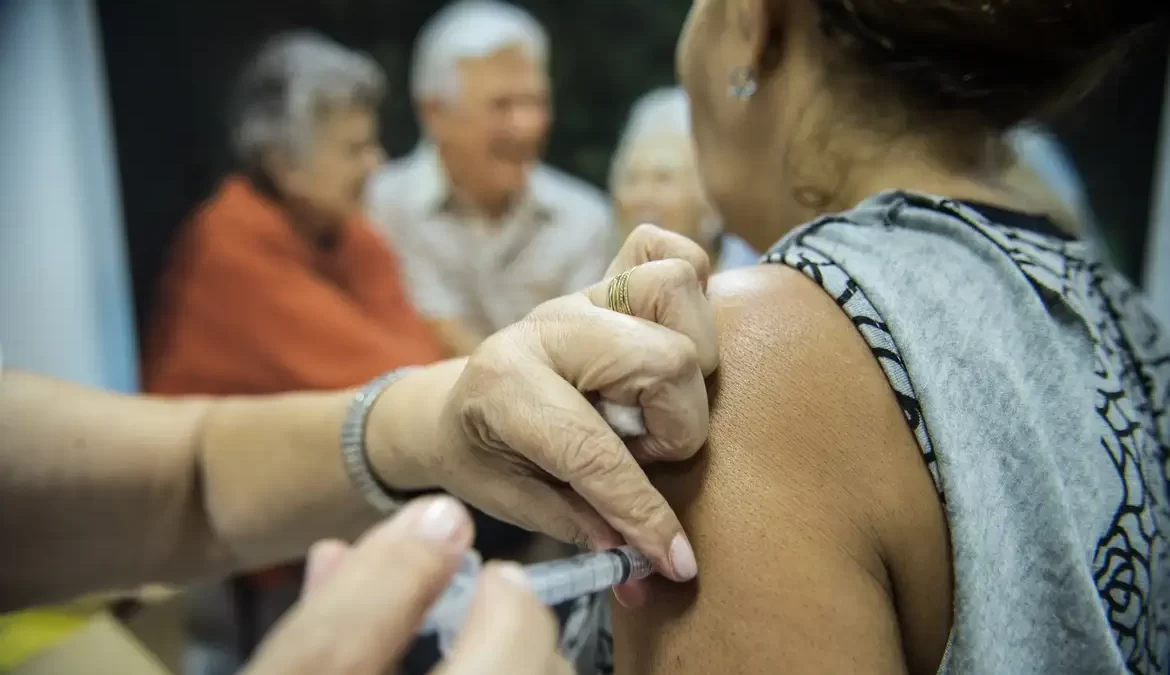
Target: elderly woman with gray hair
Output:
[(277, 284), (654, 179)]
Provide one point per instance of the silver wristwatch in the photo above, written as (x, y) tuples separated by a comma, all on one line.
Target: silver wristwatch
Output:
[(355, 456)]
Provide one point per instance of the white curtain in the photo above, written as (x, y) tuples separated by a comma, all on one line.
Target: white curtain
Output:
[(65, 301), (1157, 275)]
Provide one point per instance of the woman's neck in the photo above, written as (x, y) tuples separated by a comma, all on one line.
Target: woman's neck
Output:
[(904, 167), (916, 164), (306, 222)]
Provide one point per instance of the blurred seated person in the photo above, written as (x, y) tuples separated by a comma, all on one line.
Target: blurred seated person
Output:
[(485, 230), (654, 179), (277, 284)]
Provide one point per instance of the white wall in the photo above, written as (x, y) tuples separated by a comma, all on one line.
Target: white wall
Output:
[(65, 306), (1157, 267)]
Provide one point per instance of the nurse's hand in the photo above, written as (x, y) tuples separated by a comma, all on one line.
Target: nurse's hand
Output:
[(518, 434), (363, 605)]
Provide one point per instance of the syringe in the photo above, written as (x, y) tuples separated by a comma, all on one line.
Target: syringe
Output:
[(554, 582), (562, 580)]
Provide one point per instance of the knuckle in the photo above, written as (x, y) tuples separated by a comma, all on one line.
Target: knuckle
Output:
[(545, 310), (699, 260), (588, 457), (555, 310), (678, 274), (550, 322), (645, 234), (645, 507), (566, 529), (697, 438), (467, 414), (690, 442), (678, 356)]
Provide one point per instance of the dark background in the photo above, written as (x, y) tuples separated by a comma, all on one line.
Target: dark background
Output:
[(170, 65)]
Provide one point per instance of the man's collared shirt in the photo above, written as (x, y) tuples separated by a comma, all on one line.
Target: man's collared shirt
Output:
[(460, 266)]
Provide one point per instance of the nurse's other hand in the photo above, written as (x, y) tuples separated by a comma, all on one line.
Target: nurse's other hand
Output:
[(363, 605)]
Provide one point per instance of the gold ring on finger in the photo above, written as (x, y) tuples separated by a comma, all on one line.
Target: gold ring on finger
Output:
[(618, 297)]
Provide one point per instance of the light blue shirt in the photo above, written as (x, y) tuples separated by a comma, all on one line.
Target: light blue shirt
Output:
[(1043, 153), (735, 252)]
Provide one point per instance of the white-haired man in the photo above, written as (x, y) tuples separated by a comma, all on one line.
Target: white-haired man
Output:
[(486, 231)]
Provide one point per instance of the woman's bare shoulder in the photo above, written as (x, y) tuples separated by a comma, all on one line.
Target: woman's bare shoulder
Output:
[(810, 478)]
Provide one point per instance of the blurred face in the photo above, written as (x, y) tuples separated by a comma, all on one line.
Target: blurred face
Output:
[(493, 133), (659, 184), (329, 179)]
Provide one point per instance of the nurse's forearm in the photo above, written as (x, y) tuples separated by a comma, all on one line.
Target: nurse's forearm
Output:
[(101, 491), (457, 338)]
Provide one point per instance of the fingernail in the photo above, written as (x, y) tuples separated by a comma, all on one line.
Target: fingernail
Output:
[(682, 558), (621, 596), (316, 560), (513, 574), (314, 565), (441, 520)]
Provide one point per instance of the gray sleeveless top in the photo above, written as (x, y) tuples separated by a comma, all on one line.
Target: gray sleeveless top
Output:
[(1036, 385)]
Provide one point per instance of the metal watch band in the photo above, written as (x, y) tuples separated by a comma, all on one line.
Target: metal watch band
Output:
[(355, 455)]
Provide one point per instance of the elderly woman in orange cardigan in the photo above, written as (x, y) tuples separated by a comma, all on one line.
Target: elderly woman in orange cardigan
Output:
[(277, 284)]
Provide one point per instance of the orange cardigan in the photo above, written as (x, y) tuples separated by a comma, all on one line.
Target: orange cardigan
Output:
[(249, 307)]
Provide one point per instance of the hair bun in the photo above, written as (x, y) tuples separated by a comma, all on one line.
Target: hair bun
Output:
[(1002, 60)]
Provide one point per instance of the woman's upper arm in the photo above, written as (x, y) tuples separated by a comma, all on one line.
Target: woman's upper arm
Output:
[(821, 543)]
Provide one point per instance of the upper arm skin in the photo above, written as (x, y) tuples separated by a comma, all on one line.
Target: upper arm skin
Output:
[(821, 543)]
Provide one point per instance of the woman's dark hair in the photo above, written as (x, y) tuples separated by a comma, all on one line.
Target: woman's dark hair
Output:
[(997, 61)]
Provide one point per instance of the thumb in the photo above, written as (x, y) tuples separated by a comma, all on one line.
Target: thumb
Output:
[(648, 243), (325, 557)]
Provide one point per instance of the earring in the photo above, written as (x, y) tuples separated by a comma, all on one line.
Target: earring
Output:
[(743, 84)]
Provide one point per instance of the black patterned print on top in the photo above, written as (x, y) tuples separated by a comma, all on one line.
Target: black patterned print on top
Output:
[(1133, 390), (866, 319), (1133, 385)]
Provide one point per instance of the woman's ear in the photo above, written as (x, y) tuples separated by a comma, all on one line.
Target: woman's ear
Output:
[(761, 25)]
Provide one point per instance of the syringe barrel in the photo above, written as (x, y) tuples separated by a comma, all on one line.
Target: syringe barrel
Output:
[(553, 582), (450, 609), (558, 581)]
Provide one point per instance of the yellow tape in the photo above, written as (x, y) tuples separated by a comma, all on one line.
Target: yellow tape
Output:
[(29, 633)]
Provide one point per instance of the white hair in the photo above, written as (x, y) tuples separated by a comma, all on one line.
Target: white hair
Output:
[(288, 83), (469, 29), (661, 111)]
